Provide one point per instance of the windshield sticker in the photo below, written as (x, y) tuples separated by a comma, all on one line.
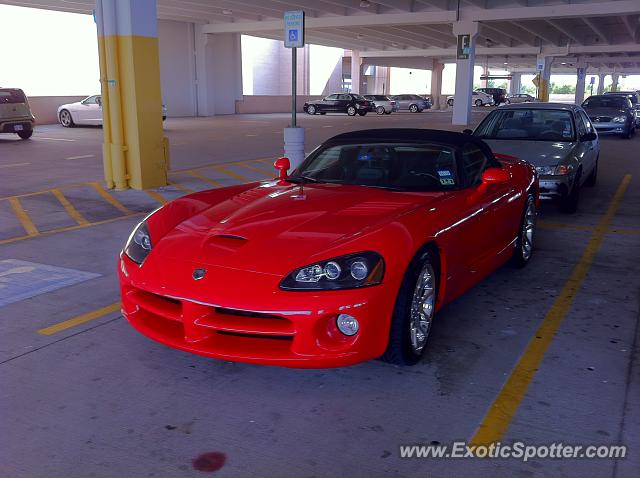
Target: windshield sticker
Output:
[(444, 173), (447, 181)]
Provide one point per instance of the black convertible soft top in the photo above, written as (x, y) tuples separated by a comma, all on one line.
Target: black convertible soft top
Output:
[(450, 138)]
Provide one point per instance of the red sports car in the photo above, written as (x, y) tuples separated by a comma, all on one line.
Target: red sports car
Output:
[(345, 260)]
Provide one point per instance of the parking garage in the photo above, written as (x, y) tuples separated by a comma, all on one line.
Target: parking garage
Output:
[(542, 358)]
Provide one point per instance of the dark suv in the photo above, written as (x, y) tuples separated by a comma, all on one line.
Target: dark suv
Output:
[(15, 113), (499, 94), (634, 96)]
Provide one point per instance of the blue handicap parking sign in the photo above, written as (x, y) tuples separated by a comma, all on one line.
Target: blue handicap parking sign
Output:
[(293, 35)]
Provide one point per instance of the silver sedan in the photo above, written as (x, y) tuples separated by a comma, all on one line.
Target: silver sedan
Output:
[(558, 139)]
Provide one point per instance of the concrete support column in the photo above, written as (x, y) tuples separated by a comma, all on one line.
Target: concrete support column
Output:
[(464, 74), (581, 76), (615, 78), (135, 151), (485, 72), (515, 84), (356, 69), (601, 78), (436, 85), (218, 72), (544, 75)]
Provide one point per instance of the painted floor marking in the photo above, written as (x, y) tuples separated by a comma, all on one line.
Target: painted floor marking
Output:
[(80, 319)]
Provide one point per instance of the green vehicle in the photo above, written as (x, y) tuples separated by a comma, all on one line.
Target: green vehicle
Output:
[(15, 113)]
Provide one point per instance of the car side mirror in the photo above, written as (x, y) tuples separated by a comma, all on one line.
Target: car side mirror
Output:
[(467, 131), (495, 176), (589, 137), (99, 101), (282, 165)]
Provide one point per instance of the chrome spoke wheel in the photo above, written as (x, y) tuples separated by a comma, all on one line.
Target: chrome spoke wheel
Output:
[(422, 308), (528, 229)]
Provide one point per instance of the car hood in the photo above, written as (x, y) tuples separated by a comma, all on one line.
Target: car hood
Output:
[(69, 105), (538, 153), (605, 111), (274, 227)]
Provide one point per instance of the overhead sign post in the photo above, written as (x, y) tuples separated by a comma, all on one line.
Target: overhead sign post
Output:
[(294, 39)]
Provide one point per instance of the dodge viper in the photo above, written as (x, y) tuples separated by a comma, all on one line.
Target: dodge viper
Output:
[(343, 260)]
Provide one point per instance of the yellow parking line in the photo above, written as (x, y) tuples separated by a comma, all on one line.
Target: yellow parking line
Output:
[(157, 196), (204, 178), (258, 170), (80, 319), (71, 228), (23, 217), (72, 211), (559, 225), (502, 410), (182, 188), (109, 198), (628, 232), (232, 174)]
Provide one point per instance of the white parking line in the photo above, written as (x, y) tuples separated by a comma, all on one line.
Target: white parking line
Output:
[(84, 156), (13, 165), (55, 139)]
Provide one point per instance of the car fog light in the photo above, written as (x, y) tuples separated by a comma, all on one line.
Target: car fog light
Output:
[(347, 324)]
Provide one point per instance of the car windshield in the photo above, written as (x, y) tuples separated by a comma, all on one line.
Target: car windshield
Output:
[(397, 166), (617, 102), (11, 96), (357, 97), (528, 124)]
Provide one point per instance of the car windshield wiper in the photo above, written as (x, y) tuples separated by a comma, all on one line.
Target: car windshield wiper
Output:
[(302, 179)]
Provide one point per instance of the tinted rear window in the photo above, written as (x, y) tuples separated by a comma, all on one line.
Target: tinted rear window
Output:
[(12, 96)]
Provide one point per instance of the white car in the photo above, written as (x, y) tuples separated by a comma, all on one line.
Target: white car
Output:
[(478, 98), (87, 112), (382, 104)]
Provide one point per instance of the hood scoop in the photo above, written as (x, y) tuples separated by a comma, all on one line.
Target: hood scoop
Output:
[(225, 242)]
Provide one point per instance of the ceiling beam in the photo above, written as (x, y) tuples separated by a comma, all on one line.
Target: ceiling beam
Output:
[(629, 25), (597, 30), (564, 30), (538, 32)]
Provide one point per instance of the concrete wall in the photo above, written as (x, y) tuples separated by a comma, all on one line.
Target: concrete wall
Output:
[(45, 108), (270, 104), (177, 67)]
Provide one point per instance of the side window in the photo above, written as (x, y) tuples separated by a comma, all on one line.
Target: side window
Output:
[(90, 101), (587, 122), (582, 129), (474, 162), (344, 97), (331, 97)]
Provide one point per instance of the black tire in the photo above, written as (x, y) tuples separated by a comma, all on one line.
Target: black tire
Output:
[(593, 177), (380, 110), (450, 102), (387, 112), (164, 118), (351, 110), (521, 254), (66, 119), (630, 132), (323, 112), (399, 349), (362, 113), (569, 203), (478, 102), (311, 110), (414, 108), (25, 134)]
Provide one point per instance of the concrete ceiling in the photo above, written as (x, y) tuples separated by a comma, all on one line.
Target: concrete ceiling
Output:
[(603, 34)]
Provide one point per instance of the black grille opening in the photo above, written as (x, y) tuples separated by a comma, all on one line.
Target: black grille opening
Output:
[(246, 313), (256, 336)]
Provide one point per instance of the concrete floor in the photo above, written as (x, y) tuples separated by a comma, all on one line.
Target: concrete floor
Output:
[(99, 400)]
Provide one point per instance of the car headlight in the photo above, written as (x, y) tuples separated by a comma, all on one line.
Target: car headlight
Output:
[(345, 272), (619, 119), (139, 243), (559, 170)]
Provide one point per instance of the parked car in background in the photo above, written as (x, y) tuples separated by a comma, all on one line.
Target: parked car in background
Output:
[(557, 139), (634, 96), (15, 113), (611, 114), (478, 98), (413, 103), (382, 104), (86, 112), (499, 94), (520, 98), (349, 103)]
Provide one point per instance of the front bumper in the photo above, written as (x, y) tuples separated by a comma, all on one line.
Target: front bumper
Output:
[(556, 186), (610, 127), (240, 316)]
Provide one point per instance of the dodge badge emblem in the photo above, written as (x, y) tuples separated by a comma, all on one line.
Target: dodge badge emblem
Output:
[(199, 273)]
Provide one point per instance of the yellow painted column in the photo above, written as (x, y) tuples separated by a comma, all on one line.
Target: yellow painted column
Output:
[(135, 151)]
